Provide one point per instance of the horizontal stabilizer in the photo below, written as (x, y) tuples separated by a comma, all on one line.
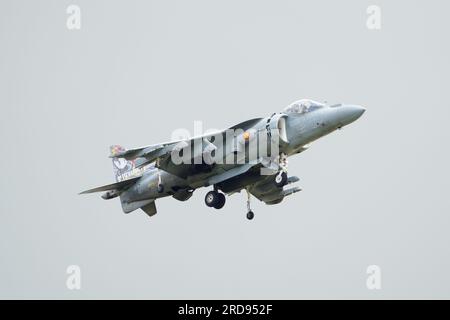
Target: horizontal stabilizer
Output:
[(118, 186)]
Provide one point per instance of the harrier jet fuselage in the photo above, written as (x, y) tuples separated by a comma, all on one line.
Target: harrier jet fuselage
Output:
[(249, 156)]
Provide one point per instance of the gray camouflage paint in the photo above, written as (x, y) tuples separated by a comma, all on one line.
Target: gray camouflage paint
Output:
[(301, 128)]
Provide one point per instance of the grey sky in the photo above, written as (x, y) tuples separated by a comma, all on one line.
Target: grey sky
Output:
[(374, 192)]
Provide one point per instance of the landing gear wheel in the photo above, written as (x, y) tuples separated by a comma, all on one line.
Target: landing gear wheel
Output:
[(250, 215), (281, 179), (160, 188), (212, 198), (220, 201)]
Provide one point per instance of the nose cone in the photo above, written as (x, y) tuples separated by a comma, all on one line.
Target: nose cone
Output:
[(349, 113)]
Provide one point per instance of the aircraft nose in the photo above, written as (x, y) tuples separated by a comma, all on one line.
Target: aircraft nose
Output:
[(350, 113), (356, 111)]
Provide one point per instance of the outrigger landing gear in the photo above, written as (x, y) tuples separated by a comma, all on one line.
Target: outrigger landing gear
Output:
[(250, 214)]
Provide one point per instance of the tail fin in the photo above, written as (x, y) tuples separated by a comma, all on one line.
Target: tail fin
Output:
[(127, 169), (123, 169)]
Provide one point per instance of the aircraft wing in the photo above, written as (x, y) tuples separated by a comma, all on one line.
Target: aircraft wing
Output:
[(162, 153), (152, 152)]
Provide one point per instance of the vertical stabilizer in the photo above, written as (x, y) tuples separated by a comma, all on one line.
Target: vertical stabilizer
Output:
[(123, 169)]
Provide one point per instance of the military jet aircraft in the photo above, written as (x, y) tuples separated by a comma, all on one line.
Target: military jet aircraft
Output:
[(250, 156)]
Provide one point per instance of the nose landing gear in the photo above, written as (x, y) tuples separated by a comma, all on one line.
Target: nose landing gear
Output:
[(281, 178)]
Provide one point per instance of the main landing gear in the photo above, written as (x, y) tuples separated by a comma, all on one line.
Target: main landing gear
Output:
[(215, 199)]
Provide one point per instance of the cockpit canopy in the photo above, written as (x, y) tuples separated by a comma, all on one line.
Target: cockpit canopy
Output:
[(303, 106)]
